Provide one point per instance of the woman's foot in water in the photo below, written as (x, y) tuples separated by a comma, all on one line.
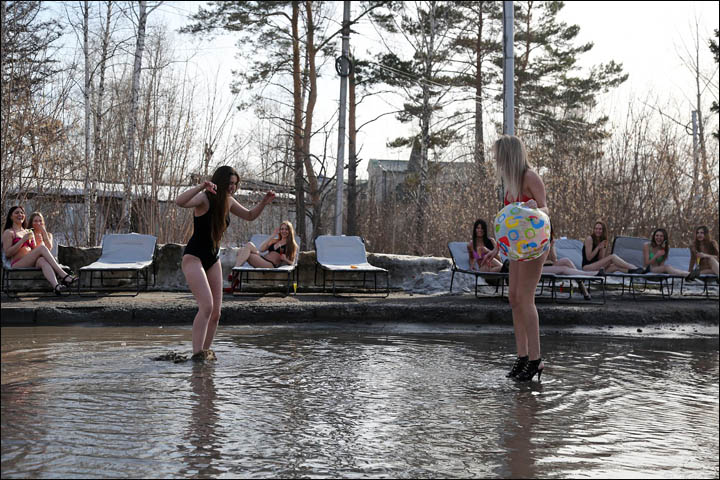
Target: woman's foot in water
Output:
[(204, 356)]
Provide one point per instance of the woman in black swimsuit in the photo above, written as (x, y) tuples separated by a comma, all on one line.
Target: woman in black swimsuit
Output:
[(281, 249), (212, 202)]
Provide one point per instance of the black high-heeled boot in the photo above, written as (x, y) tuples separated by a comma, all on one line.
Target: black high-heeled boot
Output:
[(518, 366), (531, 368)]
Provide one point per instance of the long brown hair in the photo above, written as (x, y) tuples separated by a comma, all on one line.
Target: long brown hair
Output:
[(9, 221), (291, 247), (708, 245), (485, 240), (666, 244), (219, 202), (604, 236)]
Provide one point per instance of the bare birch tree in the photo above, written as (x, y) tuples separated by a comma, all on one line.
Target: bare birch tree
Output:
[(126, 223)]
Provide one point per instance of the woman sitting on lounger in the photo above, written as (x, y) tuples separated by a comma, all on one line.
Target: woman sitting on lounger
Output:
[(281, 249), (703, 253), (27, 248), (595, 253), (656, 252), (565, 266), (480, 246), (36, 221)]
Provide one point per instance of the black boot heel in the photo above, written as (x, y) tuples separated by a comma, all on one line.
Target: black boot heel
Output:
[(531, 368), (517, 367)]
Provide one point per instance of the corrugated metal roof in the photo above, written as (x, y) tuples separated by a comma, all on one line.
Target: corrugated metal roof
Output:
[(390, 165)]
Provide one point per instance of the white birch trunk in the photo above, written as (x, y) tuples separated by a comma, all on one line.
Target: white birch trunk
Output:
[(126, 223), (99, 115), (89, 170)]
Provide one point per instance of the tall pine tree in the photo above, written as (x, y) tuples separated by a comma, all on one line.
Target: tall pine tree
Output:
[(425, 79)]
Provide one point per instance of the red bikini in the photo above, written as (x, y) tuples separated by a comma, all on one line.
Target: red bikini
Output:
[(28, 243), (523, 198)]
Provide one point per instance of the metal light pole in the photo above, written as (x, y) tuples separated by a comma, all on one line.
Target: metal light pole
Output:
[(343, 70), (508, 70)]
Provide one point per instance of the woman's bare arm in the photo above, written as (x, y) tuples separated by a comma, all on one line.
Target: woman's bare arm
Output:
[(537, 191), (8, 247), (251, 215), (195, 197)]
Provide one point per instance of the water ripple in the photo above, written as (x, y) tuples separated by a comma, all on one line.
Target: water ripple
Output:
[(330, 403)]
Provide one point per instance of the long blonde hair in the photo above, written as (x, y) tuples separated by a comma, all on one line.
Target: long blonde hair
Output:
[(291, 248), (511, 162)]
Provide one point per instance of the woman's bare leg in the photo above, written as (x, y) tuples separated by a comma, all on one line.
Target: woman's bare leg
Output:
[(244, 253), (30, 260), (259, 262), (47, 270), (495, 266), (524, 277), (564, 262), (563, 270), (669, 270), (197, 280), (713, 267), (611, 263), (214, 277)]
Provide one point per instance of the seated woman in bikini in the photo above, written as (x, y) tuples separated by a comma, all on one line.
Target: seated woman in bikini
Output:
[(595, 253), (480, 246), (703, 254), (656, 252), (565, 266), (24, 249), (281, 249)]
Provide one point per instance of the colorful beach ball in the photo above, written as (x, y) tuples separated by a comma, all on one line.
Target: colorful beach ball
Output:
[(522, 233)]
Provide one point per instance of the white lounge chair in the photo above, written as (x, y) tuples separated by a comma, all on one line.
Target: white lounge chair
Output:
[(345, 254), (680, 259), (630, 249), (572, 250), (461, 264), (131, 253), (246, 269), (24, 275)]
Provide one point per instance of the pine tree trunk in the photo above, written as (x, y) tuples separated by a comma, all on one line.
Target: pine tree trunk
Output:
[(307, 130), (297, 130), (479, 136), (426, 117), (701, 126)]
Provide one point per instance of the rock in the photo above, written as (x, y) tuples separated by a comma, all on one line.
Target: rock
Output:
[(171, 357)]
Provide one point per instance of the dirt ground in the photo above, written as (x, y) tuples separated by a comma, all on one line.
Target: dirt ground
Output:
[(179, 308)]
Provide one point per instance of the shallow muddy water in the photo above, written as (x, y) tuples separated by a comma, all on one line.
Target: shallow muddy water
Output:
[(349, 401)]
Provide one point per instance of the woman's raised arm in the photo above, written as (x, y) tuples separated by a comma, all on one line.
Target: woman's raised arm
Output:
[(190, 198)]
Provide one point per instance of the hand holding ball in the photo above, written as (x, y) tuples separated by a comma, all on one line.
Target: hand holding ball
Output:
[(522, 233)]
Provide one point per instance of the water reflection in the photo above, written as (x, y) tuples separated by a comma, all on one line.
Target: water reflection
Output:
[(201, 460), (339, 402), (518, 433)]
